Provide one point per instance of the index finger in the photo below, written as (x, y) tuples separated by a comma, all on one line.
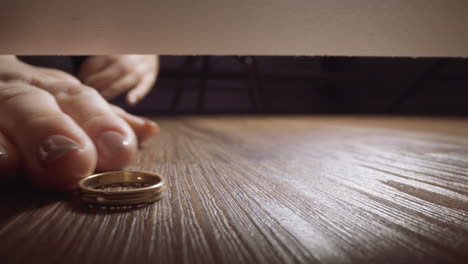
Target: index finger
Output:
[(93, 65)]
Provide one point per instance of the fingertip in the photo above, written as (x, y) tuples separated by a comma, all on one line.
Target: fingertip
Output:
[(63, 163), (142, 89), (134, 96), (149, 130), (115, 150), (153, 127), (144, 128), (131, 99)]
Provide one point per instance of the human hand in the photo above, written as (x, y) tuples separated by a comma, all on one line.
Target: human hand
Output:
[(58, 129), (112, 75)]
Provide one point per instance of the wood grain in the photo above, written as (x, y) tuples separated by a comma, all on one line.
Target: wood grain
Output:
[(286, 189)]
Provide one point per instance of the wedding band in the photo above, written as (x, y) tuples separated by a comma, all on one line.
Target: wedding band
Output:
[(149, 188)]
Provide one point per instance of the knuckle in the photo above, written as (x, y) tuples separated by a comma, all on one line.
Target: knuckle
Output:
[(72, 90), (18, 91), (14, 76), (90, 92), (95, 121), (45, 121), (62, 87)]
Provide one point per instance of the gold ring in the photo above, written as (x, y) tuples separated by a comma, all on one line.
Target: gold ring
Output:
[(149, 188)]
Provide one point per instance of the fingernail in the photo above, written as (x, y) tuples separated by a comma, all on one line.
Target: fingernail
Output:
[(110, 143), (3, 152), (55, 147)]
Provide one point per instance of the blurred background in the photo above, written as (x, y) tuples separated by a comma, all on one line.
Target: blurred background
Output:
[(299, 85)]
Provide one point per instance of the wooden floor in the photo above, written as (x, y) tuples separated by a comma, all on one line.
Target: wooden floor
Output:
[(269, 190)]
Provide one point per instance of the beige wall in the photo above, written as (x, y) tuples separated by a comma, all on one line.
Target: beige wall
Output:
[(259, 27)]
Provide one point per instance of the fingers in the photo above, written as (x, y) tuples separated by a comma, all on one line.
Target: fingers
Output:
[(143, 128), (142, 89), (93, 65), (102, 79), (114, 79), (48, 73), (114, 139), (53, 149), (8, 159), (114, 75), (122, 85), (145, 84)]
